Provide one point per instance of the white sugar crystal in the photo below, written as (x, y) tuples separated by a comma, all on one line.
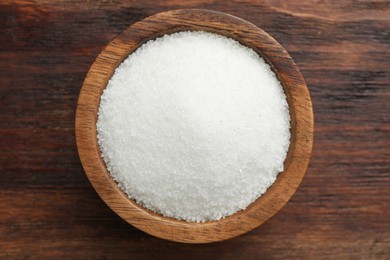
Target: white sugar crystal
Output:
[(194, 126)]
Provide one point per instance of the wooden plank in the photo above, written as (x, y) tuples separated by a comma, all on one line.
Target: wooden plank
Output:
[(47, 206)]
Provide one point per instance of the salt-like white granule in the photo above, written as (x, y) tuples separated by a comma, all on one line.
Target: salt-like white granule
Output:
[(194, 126)]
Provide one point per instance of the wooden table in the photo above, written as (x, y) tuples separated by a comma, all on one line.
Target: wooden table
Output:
[(49, 209)]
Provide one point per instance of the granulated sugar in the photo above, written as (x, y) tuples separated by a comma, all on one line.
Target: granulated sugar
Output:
[(194, 126)]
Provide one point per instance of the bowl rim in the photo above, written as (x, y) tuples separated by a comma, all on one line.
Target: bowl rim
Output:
[(301, 114)]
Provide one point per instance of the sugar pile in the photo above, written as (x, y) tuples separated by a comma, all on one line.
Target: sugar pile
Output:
[(194, 126)]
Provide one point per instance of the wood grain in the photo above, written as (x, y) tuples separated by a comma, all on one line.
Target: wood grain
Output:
[(49, 209), (248, 34)]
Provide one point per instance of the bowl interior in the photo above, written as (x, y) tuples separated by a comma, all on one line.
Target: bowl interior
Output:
[(249, 35)]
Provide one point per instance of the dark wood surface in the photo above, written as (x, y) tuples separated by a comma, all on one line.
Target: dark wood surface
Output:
[(49, 209)]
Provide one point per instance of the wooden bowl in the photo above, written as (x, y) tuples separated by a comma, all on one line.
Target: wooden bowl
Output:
[(248, 34)]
